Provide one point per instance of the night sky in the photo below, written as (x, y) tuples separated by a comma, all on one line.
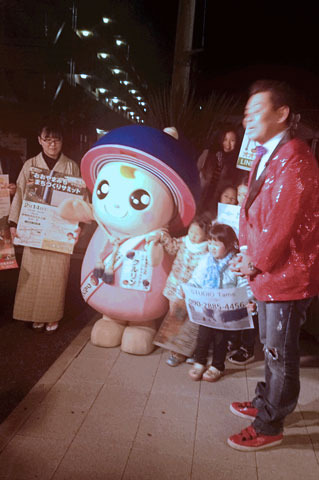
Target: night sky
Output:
[(243, 41)]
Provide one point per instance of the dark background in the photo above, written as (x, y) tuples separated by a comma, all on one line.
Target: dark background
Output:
[(235, 43)]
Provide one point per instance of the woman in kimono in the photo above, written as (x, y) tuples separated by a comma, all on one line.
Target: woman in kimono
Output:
[(43, 274)]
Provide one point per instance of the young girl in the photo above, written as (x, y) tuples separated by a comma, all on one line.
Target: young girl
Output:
[(177, 333), (228, 195), (213, 271), (242, 190)]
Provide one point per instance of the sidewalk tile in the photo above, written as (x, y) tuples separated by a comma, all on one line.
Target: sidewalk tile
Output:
[(88, 369), (172, 406), (117, 400), (62, 413), (29, 458), (211, 446), (147, 464), (94, 458), (226, 387), (163, 436), (134, 372), (210, 469)]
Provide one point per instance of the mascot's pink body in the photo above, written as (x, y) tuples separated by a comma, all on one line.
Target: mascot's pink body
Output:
[(142, 181), (118, 302)]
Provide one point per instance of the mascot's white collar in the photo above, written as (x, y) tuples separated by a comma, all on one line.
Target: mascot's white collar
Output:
[(195, 247), (122, 245), (114, 239)]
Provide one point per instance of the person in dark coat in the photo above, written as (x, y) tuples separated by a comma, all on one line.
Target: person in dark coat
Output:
[(219, 169), (10, 164)]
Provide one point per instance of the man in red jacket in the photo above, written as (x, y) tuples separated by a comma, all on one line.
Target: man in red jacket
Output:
[(279, 238)]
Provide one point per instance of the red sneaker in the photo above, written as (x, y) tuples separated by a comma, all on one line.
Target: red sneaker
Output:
[(248, 440), (244, 409)]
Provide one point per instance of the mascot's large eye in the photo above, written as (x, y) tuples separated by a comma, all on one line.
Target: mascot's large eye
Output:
[(140, 199), (102, 189)]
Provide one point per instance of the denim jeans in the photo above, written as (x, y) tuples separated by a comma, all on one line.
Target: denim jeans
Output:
[(277, 396)]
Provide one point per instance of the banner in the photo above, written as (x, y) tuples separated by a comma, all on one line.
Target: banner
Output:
[(221, 308), (229, 215), (7, 254), (247, 153), (39, 224), (176, 332)]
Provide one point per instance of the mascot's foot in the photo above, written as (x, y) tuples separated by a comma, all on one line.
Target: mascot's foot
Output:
[(138, 339), (107, 333)]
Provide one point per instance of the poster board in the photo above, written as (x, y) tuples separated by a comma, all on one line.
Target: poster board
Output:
[(7, 253), (177, 333), (220, 308), (247, 153), (229, 215), (39, 224)]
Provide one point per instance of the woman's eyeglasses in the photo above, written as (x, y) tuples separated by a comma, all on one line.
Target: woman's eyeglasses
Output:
[(50, 140)]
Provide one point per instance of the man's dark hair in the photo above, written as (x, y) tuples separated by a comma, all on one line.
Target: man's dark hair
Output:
[(281, 94), (51, 126)]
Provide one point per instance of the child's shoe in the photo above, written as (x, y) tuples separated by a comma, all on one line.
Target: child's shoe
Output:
[(212, 374), (196, 372), (175, 359), (190, 360), (242, 357), (232, 347)]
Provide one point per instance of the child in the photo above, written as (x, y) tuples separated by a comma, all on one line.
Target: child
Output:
[(242, 190), (213, 271), (177, 333), (227, 194)]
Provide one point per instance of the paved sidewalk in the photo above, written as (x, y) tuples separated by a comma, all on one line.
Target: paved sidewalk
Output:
[(102, 414)]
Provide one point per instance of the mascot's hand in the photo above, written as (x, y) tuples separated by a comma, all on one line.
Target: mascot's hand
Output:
[(155, 253), (76, 211), (153, 237)]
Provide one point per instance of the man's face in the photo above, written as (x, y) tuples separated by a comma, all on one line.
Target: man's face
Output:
[(262, 121)]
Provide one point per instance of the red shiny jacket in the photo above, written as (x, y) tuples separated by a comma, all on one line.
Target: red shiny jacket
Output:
[(281, 227)]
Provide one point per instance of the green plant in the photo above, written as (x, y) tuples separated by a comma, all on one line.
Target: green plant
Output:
[(196, 119)]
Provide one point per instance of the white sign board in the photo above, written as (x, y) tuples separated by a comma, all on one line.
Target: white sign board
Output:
[(221, 308)]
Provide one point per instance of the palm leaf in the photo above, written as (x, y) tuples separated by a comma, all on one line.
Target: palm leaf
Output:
[(196, 119)]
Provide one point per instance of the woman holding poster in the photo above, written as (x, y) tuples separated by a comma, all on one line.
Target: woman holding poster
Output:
[(44, 274)]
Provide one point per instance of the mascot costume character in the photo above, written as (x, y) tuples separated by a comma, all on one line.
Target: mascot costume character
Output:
[(143, 181)]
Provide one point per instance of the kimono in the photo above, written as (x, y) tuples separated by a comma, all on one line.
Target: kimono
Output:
[(43, 274)]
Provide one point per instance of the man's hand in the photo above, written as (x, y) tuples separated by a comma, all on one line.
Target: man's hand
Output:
[(243, 265), (251, 307), (235, 262)]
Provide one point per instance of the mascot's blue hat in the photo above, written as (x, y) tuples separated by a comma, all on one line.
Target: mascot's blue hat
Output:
[(171, 160)]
